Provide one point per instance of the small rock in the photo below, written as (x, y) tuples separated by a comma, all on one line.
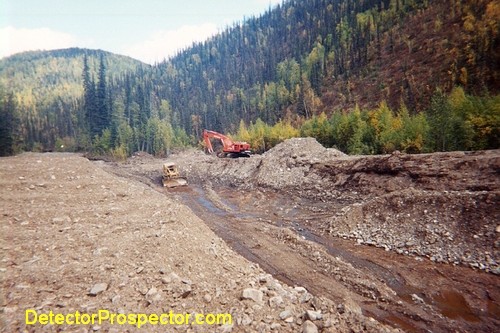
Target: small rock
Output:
[(275, 326), (152, 292), (417, 299), (498, 228), (246, 320), (275, 301), (313, 315), (226, 328), (285, 314), (309, 327), (305, 297), (172, 277), (253, 294), (207, 298), (184, 291), (300, 289), (98, 288), (263, 278)]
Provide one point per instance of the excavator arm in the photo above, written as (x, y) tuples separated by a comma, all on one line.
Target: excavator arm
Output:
[(208, 144)]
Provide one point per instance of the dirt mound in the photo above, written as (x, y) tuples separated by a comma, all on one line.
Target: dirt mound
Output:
[(303, 149), (289, 163)]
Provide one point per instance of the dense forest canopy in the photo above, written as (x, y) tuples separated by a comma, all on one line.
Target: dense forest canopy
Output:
[(333, 69)]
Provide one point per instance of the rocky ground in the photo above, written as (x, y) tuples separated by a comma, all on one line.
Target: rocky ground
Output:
[(78, 238), (299, 239)]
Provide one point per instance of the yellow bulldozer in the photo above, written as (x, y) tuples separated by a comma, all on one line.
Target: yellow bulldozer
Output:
[(171, 176)]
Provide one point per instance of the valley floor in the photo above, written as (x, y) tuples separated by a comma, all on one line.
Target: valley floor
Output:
[(298, 239)]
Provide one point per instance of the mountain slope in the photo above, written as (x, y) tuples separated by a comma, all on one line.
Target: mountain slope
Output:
[(298, 60), (445, 45), (47, 87), (305, 57), (37, 76)]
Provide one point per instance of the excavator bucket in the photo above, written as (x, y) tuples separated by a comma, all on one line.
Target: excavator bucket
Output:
[(171, 176)]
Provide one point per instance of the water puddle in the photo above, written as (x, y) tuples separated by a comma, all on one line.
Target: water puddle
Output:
[(453, 305), (401, 323), (394, 281)]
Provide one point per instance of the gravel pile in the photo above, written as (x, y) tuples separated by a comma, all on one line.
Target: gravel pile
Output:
[(288, 164), (453, 227)]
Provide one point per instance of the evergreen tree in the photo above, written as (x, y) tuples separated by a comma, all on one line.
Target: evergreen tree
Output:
[(7, 125), (89, 99), (103, 117), (439, 115)]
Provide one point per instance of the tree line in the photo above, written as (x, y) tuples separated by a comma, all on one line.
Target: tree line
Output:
[(8, 124), (457, 121)]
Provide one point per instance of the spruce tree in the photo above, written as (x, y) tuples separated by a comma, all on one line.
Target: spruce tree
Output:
[(89, 100), (7, 122), (103, 118)]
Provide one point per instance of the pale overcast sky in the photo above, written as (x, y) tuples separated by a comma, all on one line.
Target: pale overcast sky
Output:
[(148, 30)]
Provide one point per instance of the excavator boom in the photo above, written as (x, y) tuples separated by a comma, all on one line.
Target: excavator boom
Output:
[(229, 147)]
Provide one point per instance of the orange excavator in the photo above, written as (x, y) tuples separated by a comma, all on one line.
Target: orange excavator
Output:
[(230, 148)]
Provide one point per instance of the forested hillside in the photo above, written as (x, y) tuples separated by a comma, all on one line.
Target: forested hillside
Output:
[(47, 89), (298, 65)]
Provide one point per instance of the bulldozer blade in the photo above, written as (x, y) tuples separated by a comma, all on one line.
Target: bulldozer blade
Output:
[(170, 183)]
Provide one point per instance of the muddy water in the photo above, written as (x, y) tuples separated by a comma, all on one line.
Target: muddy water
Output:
[(453, 305), (432, 297)]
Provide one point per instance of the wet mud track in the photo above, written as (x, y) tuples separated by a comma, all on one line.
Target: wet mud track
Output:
[(282, 235)]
